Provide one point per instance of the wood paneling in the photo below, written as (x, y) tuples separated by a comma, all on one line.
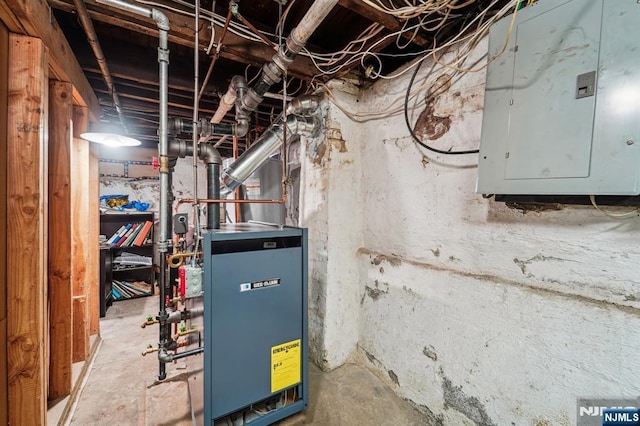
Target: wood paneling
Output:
[(80, 231), (93, 257), (26, 247), (60, 308), (4, 69)]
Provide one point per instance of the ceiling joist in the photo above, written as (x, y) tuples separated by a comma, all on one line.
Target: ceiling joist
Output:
[(235, 47)]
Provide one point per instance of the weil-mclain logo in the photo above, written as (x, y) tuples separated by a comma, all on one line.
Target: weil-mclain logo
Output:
[(608, 412), (260, 284)]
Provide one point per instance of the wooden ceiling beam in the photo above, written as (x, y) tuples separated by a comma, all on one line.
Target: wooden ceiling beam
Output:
[(181, 32), (383, 19), (36, 20)]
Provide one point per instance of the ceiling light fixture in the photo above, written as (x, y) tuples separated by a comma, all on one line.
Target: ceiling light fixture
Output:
[(110, 135)]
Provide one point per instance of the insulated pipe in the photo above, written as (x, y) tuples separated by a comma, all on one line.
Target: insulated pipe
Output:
[(92, 38), (164, 241), (314, 16), (262, 149), (228, 100)]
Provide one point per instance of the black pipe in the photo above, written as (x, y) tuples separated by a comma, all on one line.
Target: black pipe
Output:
[(213, 193), (167, 357)]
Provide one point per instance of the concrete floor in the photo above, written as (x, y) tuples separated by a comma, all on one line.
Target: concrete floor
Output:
[(121, 387)]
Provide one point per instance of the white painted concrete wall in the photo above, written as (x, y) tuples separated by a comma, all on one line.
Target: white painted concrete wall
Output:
[(479, 313), (148, 191), (330, 209)]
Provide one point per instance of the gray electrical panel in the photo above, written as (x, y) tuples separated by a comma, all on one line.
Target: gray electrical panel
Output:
[(255, 322), (562, 104)]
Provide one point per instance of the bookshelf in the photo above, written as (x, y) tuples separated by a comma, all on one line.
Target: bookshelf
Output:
[(130, 241)]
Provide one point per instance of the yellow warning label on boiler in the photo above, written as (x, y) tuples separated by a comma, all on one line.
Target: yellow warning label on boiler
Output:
[(285, 365)]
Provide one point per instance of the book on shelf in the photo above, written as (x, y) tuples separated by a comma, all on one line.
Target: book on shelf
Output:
[(132, 259), (143, 234), (128, 289), (116, 236), (132, 234)]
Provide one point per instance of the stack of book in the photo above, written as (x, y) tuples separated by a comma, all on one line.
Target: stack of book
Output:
[(132, 259), (132, 235), (127, 290)]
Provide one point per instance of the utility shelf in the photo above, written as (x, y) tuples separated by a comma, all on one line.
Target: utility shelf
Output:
[(111, 223)]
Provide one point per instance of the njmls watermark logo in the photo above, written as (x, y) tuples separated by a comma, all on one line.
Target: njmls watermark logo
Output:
[(608, 412)]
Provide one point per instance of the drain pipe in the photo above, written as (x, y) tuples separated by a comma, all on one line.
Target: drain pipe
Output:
[(164, 239), (92, 38)]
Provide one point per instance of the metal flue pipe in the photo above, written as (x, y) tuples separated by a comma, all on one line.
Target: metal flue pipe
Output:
[(267, 145), (164, 240), (92, 38)]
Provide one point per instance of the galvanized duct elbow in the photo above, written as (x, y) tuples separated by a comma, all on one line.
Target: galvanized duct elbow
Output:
[(304, 105), (262, 149)]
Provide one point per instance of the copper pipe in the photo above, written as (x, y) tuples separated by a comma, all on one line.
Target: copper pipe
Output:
[(185, 333), (149, 351), (209, 200), (254, 29), (215, 56)]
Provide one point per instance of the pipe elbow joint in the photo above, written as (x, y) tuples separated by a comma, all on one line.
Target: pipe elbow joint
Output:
[(238, 82), (241, 127), (307, 126), (161, 19), (164, 356), (209, 154)]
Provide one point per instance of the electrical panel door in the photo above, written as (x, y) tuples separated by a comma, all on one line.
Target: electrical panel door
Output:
[(562, 103)]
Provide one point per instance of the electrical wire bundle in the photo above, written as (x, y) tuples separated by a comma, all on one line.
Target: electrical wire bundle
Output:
[(447, 22)]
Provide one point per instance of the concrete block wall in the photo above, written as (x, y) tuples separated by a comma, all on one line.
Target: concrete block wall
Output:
[(479, 313)]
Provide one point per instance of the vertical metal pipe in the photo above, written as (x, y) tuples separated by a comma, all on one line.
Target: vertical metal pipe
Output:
[(196, 90), (164, 242), (213, 193)]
